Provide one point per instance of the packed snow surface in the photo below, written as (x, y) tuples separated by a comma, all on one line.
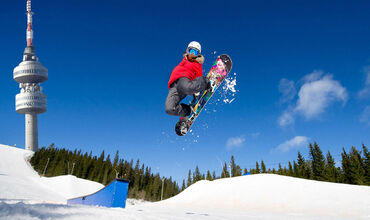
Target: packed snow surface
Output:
[(26, 195)]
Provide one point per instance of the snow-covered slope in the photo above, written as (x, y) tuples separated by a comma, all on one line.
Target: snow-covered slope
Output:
[(26, 195), (18, 180), (70, 186), (279, 194)]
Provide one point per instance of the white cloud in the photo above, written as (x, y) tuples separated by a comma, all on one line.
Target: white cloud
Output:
[(365, 92), (294, 143), (314, 76), (365, 116), (315, 96), (286, 118), (234, 142), (318, 91), (287, 90)]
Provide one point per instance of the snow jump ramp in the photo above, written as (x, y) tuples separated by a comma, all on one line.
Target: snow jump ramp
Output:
[(113, 195)]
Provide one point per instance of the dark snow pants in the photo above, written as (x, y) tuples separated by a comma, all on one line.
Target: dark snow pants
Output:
[(179, 90)]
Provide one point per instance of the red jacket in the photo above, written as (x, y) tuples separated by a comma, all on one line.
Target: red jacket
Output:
[(187, 69)]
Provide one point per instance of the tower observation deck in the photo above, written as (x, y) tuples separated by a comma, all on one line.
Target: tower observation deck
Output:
[(29, 74)]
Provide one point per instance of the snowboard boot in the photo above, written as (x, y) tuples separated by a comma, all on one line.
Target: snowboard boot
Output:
[(195, 100)]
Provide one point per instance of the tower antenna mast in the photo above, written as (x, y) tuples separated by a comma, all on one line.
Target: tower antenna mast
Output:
[(29, 24)]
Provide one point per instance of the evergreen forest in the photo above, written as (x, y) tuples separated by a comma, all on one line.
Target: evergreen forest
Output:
[(354, 168), (144, 184)]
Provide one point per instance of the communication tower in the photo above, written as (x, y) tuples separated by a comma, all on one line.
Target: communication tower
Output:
[(29, 74)]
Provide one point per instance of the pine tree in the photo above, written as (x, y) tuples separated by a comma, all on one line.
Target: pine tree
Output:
[(290, 171), (257, 168), (197, 175), (98, 168), (136, 177), (366, 162), (114, 168), (183, 185), (331, 171), (318, 162), (263, 167), (157, 183), (295, 169), (209, 176), (51, 146), (146, 178), (142, 177), (233, 166), (214, 175), (346, 167), (285, 171), (130, 171), (119, 169), (116, 159), (304, 170), (107, 171), (353, 168), (190, 181), (358, 167), (238, 171), (280, 170), (225, 172)]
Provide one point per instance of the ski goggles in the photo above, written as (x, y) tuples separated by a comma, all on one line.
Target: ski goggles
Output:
[(193, 51)]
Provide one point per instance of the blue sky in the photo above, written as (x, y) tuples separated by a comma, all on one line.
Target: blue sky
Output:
[(302, 70)]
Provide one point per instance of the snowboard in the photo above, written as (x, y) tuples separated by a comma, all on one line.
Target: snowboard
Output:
[(220, 69)]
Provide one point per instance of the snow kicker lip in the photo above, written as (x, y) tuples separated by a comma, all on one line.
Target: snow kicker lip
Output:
[(113, 195)]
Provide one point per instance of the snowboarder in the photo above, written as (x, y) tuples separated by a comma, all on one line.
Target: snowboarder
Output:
[(186, 79)]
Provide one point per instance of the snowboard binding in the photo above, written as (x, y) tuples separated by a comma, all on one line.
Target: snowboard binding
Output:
[(213, 86)]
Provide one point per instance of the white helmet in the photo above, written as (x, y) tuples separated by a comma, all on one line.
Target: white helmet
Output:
[(195, 45)]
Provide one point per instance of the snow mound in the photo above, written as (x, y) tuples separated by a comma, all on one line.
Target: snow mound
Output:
[(275, 193), (19, 181), (70, 186)]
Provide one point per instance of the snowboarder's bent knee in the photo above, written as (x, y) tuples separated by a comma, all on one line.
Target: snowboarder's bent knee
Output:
[(182, 109)]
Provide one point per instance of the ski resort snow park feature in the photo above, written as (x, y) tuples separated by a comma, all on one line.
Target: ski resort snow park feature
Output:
[(113, 195)]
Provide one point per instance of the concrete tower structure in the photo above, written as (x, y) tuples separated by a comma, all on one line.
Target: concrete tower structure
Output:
[(29, 74)]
